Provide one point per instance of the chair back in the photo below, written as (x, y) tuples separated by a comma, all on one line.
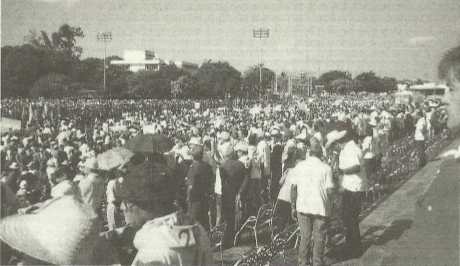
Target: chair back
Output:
[(265, 214), (216, 235)]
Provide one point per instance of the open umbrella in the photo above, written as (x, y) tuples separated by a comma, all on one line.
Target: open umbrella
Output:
[(149, 143), (114, 158)]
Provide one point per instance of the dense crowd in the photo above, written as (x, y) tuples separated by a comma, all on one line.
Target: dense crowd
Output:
[(226, 159)]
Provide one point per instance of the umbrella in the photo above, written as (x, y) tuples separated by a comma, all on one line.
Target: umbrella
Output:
[(113, 158), (149, 143)]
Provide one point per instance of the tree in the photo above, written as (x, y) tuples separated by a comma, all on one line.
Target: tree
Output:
[(389, 84), (368, 81), (449, 66), (23, 65), (327, 78), (21, 68), (282, 83), (62, 40), (342, 85), (51, 86), (154, 84), (217, 79), (251, 80)]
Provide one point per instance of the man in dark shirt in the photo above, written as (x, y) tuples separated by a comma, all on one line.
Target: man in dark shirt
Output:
[(276, 163), (199, 187), (232, 173)]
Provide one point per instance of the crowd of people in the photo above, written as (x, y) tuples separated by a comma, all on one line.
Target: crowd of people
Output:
[(226, 160)]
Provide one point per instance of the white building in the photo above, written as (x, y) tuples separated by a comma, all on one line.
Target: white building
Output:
[(136, 60)]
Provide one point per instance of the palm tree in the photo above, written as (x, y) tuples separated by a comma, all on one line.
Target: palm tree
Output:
[(62, 40)]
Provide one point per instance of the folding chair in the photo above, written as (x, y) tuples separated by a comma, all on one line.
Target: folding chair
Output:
[(216, 235), (262, 222)]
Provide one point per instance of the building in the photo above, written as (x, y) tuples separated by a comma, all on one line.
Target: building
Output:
[(137, 60), (429, 90)]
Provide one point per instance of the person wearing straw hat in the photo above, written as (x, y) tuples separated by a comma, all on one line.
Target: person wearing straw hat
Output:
[(92, 185), (353, 185), (163, 236), (63, 231)]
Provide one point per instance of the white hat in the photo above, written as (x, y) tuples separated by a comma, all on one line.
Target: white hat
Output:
[(302, 136), (373, 121), (241, 147), (275, 132), (225, 135), (196, 141), (91, 163), (184, 153), (14, 165), (334, 136)]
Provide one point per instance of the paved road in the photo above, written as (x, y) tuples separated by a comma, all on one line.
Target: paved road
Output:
[(417, 225)]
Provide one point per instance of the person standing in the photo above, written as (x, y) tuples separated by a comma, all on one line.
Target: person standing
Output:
[(276, 163), (92, 185), (354, 184), (311, 186), (420, 137), (163, 236), (232, 173), (199, 185)]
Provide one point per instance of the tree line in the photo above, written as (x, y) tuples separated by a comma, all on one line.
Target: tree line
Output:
[(52, 67)]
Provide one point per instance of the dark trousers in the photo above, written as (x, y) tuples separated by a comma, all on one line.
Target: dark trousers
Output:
[(351, 208), (199, 212), (228, 215), (282, 216), (370, 166), (275, 185), (421, 160), (254, 196)]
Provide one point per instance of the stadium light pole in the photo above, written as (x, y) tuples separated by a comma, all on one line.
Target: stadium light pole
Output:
[(104, 37), (261, 33)]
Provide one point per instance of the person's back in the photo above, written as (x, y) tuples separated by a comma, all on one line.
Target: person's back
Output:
[(232, 174), (312, 178), (179, 240), (92, 190)]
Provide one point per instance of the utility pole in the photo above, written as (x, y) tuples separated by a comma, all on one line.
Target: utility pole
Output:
[(104, 37), (261, 33)]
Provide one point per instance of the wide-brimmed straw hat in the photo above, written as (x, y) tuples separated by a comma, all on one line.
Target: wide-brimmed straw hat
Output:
[(91, 163), (334, 136), (63, 232), (14, 166)]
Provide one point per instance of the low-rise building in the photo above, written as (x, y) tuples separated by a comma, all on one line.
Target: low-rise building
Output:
[(137, 60)]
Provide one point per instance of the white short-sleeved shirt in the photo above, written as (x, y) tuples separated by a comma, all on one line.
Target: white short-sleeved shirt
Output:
[(420, 127), (370, 145), (350, 156), (285, 191), (312, 178)]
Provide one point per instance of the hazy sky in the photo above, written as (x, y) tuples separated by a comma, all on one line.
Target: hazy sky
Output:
[(400, 38)]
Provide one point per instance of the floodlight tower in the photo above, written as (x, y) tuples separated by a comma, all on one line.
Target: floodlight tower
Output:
[(104, 37), (261, 33)]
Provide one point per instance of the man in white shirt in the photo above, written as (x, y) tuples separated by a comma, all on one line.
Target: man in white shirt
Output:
[(311, 188), (354, 183), (420, 137)]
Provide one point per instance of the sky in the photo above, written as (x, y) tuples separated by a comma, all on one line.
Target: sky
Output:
[(395, 38)]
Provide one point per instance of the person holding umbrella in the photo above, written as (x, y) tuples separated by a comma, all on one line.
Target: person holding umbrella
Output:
[(163, 236)]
